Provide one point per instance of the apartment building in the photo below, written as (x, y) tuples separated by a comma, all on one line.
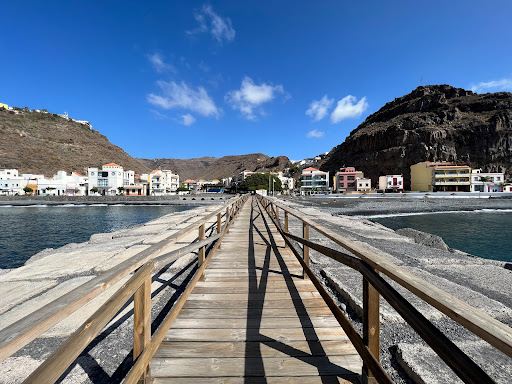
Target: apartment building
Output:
[(440, 177), (346, 179), (364, 184), (163, 182), (109, 179), (487, 181), (314, 180)]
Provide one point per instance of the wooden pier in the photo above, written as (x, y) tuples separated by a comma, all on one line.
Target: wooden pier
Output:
[(255, 319)]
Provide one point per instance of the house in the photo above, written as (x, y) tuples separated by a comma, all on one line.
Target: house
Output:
[(109, 179), (364, 184), (140, 189), (345, 179), (391, 183), (486, 182), (440, 177), (163, 182), (314, 180), (11, 183)]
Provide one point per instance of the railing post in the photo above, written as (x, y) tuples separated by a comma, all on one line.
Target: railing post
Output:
[(219, 224), (305, 250), (201, 254), (371, 326), (142, 322), (227, 219), (286, 226)]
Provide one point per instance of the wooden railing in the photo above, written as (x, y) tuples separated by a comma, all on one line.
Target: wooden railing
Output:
[(371, 265), (144, 263)]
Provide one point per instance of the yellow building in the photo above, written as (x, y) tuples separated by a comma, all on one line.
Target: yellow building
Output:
[(2, 105), (440, 177)]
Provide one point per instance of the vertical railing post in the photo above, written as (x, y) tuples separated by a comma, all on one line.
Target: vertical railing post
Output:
[(305, 250), (371, 326), (219, 224), (142, 322), (227, 219), (201, 253), (286, 226)]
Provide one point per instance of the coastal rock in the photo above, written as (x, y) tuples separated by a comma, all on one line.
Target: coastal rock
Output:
[(432, 123), (424, 238)]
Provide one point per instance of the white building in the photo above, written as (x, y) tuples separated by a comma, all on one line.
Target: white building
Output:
[(162, 182), (314, 180), (391, 183), (11, 183), (486, 182), (287, 183), (109, 179), (364, 184)]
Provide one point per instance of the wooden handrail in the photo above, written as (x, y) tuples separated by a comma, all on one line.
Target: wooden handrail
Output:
[(481, 324), (53, 367), (141, 364), (484, 326), (22, 332)]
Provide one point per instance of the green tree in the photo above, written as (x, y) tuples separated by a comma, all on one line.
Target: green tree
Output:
[(260, 181), (120, 189), (485, 179), (28, 190), (94, 190)]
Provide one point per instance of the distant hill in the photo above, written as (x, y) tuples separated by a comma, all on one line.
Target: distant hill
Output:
[(209, 168), (37, 142), (432, 123)]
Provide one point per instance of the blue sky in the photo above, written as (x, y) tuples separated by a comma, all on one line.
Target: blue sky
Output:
[(182, 79)]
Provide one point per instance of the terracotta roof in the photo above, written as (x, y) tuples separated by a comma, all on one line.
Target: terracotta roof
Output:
[(111, 165), (190, 181), (155, 171), (76, 173), (310, 169)]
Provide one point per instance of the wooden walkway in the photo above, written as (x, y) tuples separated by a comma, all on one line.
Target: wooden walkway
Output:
[(254, 319)]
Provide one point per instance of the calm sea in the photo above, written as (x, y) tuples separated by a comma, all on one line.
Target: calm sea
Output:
[(484, 233), (24, 231)]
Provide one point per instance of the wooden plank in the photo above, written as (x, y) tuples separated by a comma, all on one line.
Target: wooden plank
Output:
[(254, 296), (324, 379), (256, 322), (245, 289), (171, 349), (254, 366), (242, 334), (245, 283), (230, 313), (283, 304)]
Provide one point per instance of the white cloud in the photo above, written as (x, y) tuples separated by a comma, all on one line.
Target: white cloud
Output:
[(188, 119), (250, 96), (493, 86), (182, 96), (318, 108), (315, 134), (159, 63), (348, 108), (220, 28)]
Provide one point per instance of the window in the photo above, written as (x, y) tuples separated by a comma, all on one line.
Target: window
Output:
[(113, 173), (498, 178), (102, 182), (92, 173), (351, 177)]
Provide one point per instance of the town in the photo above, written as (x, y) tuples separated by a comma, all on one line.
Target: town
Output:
[(112, 179)]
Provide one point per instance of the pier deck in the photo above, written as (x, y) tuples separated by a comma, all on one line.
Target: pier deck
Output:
[(255, 319)]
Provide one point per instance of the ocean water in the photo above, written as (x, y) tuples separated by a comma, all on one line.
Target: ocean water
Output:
[(24, 231), (483, 233)]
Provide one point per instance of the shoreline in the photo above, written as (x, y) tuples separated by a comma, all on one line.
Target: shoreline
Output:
[(197, 199)]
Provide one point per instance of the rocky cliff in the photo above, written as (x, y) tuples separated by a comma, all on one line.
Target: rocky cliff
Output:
[(432, 123), (210, 168), (44, 143)]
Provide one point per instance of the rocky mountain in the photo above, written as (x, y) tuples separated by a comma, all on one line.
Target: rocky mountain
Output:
[(432, 123), (209, 168), (38, 142)]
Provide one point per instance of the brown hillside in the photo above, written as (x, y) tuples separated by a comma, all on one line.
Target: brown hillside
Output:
[(35, 142), (210, 168)]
